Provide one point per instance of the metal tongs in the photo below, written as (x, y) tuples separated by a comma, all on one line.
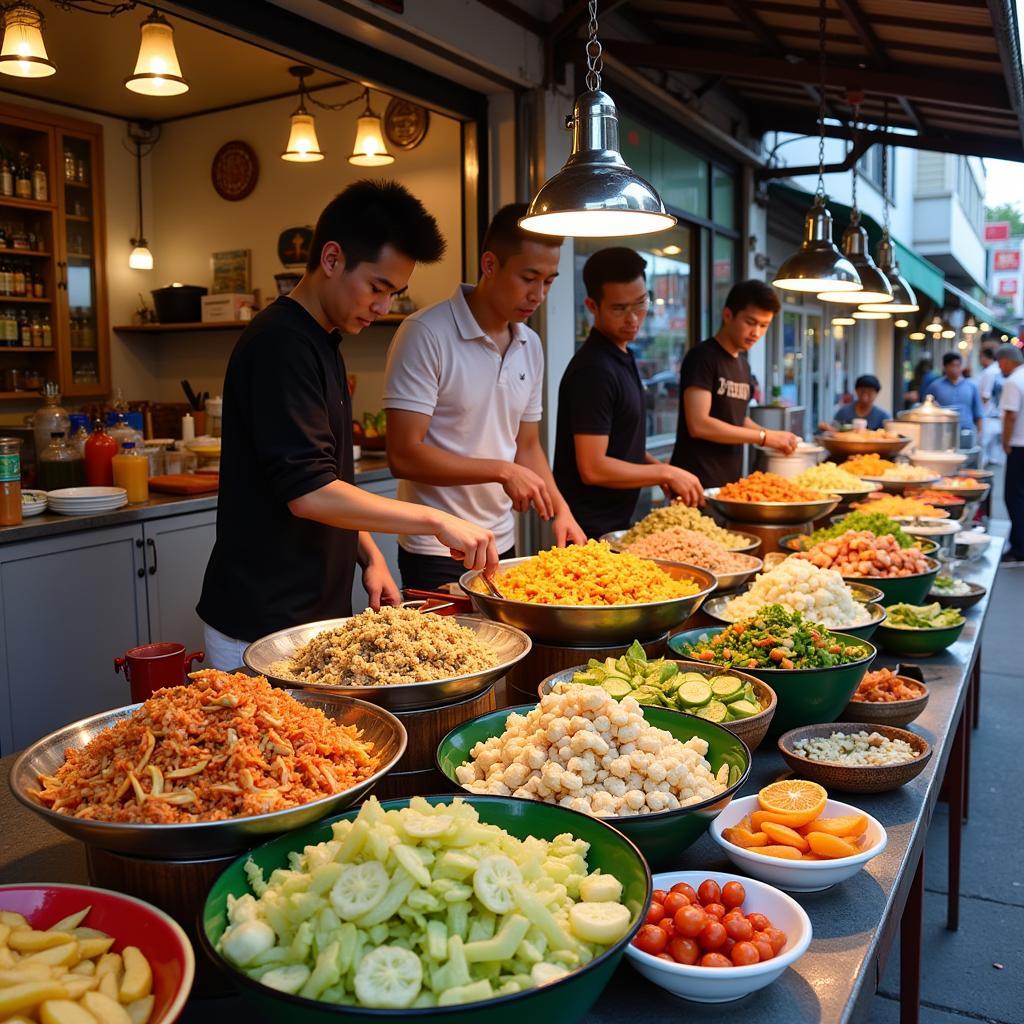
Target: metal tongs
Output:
[(491, 587)]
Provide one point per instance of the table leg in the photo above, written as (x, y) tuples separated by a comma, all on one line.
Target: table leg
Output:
[(955, 775), (976, 686), (967, 730), (911, 927)]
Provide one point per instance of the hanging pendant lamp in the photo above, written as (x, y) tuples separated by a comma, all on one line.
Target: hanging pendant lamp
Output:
[(23, 53), (595, 195), (818, 264), (875, 285), (970, 327), (140, 258), (936, 326), (369, 149), (157, 71), (303, 146), (843, 321), (866, 314)]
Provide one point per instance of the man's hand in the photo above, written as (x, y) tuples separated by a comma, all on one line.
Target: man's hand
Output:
[(469, 544), (566, 529), (1006, 447), (380, 586), (679, 483), (781, 440), (526, 488)]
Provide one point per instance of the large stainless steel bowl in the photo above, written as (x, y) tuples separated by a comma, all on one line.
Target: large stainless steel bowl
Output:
[(777, 512), (969, 494), (203, 839), (750, 545), (603, 625), (510, 645), (899, 486), (837, 444)]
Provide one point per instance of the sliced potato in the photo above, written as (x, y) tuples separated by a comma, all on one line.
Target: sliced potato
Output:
[(72, 921), (110, 963), (65, 955), (31, 941), (138, 977), (23, 973), (105, 1009), (141, 1010), (13, 920), (88, 948), (109, 986), (64, 1011), (78, 984), (30, 994), (86, 967)]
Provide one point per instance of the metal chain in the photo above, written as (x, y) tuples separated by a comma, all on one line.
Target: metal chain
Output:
[(822, 20), (854, 212), (595, 63), (885, 166)]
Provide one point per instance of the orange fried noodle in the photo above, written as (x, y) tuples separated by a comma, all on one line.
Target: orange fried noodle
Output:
[(226, 746)]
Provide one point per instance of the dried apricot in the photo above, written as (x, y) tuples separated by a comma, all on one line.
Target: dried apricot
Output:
[(740, 836), (848, 826), (785, 836), (830, 846), (782, 852)]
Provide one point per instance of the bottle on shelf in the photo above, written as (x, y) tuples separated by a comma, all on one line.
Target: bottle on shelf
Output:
[(23, 178), (74, 331), (6, 278), (4, 240), (100, 450), (40, 186), (38, 286), (18, 280), (10, 481), (46, 331), (8, 328), (25, 330), (131, 471), (37, 332), (86, 332), (60, 465), (6, 179), (82, 172)]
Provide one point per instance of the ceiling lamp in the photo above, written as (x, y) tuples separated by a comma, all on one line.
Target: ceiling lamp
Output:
[(140, 258), (843, 321), (818, 264), (369, 150), (963, 344), (23, 53), (595, 195), (157, 71), (901, 323), (984, 327), (935, 327), (869, 314), (303, 146), (1005, 337), (917, 336), (970, 327), (948, 334)]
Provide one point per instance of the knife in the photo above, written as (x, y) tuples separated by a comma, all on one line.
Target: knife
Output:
[(193, 401)]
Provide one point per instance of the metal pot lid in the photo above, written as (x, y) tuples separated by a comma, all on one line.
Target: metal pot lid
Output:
[(929, 411)]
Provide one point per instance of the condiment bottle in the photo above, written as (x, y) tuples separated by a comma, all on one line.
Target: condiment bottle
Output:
[(131, 471), (48, 418), (100, 450), (10, 481), (60, 465)]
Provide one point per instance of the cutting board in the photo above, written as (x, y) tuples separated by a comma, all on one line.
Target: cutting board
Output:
[(184, 483)]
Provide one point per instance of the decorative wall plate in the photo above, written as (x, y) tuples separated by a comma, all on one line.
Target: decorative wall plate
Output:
[(405, 123), (235, 170), (293, 246)]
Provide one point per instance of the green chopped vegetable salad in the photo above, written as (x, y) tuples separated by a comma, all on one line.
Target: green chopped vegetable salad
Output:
[(874, 522), (922, 616)]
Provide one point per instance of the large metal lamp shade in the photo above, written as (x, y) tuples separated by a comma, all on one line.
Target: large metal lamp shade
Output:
[(875, 285), (817, 264), (903, 298), (596, 195)]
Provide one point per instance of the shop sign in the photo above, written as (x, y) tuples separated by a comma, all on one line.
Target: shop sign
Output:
[(997, 231), (1008, 286), (1006, 259)]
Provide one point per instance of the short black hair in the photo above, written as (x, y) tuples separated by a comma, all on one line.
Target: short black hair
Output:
[(369, 215), (868, 380), (951, 357), (504, 237), (752, 293), (988, 351), (616, 265)]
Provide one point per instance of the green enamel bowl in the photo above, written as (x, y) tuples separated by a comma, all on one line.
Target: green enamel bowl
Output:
[(794, 542), (715, 609), (918, 642), (565, 1000), (806, 696), (661, 837), (902, 589)]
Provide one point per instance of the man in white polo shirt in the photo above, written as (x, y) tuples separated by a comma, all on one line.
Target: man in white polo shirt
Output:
[(463, 391)]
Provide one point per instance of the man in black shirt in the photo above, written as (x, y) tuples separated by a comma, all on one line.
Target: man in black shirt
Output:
[(601, 459), (715, 387), (291, 524)]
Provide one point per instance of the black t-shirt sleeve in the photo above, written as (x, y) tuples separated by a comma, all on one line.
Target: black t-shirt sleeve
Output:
[(291, 432), (698, 370), (594, 399)]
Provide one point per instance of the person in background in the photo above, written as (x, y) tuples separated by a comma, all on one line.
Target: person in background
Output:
[(291, 524), (954, 391), (463, 388), (1011, 401), (990, 385), (863, 406), (922, 377), (601, 460), (715, 385)]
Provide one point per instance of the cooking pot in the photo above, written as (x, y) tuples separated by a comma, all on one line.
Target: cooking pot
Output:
[(178, 303), (932, 427)]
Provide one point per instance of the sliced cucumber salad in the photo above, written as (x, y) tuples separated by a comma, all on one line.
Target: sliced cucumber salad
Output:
[(721, 698)]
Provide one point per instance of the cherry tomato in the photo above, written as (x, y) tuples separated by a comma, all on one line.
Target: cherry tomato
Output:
[(744, 954), (709, 892), (658, 896), (777, 938), (651, 939), (763, 947), (733, 894), (714, 910), (738, 928), (684, 951), (667, 925), (675, 901), (712, 936), (655, 912), (690, 921), (759, 921), (715, 960), (665, 956), (726, 947), (733, 912), (687, 890)]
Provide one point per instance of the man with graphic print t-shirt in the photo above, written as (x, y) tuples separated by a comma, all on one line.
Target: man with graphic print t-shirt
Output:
[(715, 387)]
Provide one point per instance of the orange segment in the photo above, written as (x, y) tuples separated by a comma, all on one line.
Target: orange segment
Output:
[(794, 802), (785, 836), (848, 827), (782, 852), (830, 846), (740, 836)]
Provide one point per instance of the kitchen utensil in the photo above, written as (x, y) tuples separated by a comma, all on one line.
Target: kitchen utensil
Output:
[(932, 427), (154, 666)]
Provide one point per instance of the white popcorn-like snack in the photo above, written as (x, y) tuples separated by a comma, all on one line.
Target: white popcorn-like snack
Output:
[(582, 749)]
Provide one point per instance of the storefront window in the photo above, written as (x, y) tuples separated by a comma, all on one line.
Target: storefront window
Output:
[(724, 198), (723, 272), (665, 334)]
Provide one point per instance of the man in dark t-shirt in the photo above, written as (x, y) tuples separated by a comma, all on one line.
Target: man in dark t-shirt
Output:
[(601, 459), (291, 525), (715, 385)]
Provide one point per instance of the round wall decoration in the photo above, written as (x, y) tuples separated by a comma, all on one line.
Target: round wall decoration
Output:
[(405, 123), (235, 170)]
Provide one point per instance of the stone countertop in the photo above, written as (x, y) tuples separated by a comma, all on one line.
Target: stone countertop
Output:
[(369, 469)]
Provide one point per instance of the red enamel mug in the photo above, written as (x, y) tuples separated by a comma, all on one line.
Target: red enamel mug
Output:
[(152, 666)]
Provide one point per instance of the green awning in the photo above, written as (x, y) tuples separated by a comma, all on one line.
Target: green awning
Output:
[(980, 311), (923, 276)]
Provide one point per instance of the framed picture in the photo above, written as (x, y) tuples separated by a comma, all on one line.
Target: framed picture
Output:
[(232, 271), (293, 246)]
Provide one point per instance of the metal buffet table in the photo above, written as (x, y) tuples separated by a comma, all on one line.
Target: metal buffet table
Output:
[(854, 923)]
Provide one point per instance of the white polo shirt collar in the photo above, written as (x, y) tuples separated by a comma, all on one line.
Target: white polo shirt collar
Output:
[(466, 323)]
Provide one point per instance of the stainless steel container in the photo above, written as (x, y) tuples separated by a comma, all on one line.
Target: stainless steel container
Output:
[(932, 427)]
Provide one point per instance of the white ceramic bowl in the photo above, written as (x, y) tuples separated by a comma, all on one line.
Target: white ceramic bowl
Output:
[(971, 544), (798, 875), (723, 984), (943, 463)]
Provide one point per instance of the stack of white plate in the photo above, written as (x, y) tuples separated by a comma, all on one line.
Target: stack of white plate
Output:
[(32, 503), (80, 501)]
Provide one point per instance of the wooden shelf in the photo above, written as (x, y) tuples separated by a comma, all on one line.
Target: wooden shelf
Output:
[(18, 351), (25, 298), (86, 256), (225, 325), (77, 219), (22, 252), (19, 394), (77, 184), (26, 204)]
